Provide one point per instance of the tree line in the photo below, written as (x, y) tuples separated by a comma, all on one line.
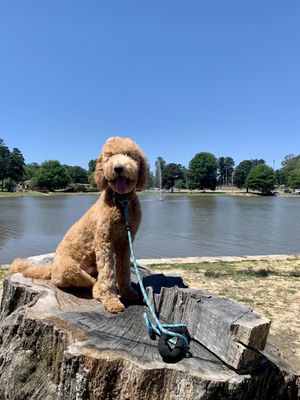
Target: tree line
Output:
[(49, 175), (204, 171)]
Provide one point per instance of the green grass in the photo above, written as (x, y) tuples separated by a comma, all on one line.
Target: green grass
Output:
[(20, 194), (194, 266), (215, 265), (238, 274), (229, 269)]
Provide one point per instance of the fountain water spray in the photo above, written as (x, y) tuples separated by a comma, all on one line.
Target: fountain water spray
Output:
[(161, 195)]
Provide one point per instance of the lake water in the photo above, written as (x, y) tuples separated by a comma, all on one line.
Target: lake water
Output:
[(179, 226)]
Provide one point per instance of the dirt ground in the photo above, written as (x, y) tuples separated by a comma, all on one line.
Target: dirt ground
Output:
[(270, 288)]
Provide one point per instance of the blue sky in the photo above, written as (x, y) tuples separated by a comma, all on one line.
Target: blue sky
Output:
[(179, 77)]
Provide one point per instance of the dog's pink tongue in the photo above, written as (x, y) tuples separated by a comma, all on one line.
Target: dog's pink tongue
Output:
[(121, 185)]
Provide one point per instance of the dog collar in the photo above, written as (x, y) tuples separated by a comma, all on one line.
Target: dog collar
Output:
[(120, 199)]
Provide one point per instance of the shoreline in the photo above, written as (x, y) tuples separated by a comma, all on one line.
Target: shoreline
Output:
[(191, 260), (6, 195), (184, 192), (212, 259)]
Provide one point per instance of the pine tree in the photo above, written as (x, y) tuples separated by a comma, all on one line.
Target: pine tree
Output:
[(4, 162), (16, 166)]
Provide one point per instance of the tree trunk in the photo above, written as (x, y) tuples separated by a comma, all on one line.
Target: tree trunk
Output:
[(63, 345)]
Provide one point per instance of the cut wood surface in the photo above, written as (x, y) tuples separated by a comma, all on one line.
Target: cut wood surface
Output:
[(64, 345)]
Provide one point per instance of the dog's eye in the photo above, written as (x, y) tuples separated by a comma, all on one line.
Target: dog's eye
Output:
[(106, 157), (133, 155)]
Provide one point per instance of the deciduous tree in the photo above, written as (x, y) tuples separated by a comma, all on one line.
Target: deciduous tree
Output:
[(290, 169), (31, 170), (202, 172), (262, 178), (242, 171), (294, 179), (171, 173), (92, 165), (77, 174), (51, 175)]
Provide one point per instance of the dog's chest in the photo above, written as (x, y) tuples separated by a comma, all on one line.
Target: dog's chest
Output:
[(118, 220), (118, 227)]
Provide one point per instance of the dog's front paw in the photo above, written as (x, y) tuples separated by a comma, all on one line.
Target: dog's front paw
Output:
[(109, 300), (114, 306)]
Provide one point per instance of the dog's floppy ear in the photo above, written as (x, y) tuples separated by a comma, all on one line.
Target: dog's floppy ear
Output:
[(100, 179), (143, 173)]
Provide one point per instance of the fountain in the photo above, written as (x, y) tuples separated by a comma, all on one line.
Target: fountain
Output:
[(161, 195)]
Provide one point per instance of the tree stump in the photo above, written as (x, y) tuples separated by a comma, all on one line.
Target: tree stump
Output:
[(63, 345)]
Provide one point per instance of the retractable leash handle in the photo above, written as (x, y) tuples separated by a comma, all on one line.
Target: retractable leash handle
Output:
[(174, 339)]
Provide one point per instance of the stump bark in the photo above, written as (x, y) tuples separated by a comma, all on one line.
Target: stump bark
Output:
[(58, 345)]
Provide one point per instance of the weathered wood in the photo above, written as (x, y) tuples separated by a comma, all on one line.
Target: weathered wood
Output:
[(58, 345), (230, 330)]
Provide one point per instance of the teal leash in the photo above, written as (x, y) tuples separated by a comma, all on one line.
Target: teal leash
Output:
[(174, 339)]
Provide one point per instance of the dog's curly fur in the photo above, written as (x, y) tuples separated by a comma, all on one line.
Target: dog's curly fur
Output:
[(94, 252)]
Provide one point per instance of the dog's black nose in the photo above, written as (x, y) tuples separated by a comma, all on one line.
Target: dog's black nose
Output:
[(118, 169)]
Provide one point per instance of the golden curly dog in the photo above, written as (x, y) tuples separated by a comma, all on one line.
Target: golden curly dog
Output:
[(94, 252)]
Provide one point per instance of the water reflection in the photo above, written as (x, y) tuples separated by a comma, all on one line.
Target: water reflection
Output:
[(12, 221), (179, 226), (35, 225), (220, 225)]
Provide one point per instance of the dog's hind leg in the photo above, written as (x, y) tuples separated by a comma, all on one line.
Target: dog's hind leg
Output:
[(66, 272)]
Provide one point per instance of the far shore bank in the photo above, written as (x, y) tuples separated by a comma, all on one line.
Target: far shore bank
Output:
[(41, 194), (184, 192)]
